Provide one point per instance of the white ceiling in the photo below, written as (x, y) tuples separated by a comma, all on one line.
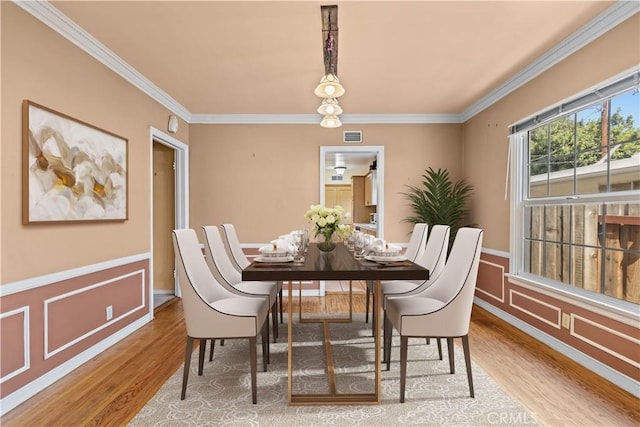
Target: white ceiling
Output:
[(210, 59)]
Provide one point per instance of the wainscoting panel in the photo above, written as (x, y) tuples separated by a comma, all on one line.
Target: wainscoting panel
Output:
[(123, 294), (491, 280), (54, 323), (610, 342), (17, 360), (544, 312)]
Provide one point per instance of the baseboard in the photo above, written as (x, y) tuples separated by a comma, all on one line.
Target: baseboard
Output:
[(621, 380), (26, 392)]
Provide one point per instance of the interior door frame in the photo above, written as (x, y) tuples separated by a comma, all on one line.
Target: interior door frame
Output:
[(181, 159), (379, 150)]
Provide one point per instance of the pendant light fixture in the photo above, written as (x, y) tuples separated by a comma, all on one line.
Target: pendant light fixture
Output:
[(330, 88), (330, 106), (330, 121)]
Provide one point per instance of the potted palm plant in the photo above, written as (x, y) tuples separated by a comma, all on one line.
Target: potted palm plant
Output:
[(439, 201)]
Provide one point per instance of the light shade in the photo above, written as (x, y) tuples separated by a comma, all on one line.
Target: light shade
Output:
[(330, 107), (329, 87), (340, 169), (330, 121)]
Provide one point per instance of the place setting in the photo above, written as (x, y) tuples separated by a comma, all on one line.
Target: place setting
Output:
[(376, 252), (286, 249)]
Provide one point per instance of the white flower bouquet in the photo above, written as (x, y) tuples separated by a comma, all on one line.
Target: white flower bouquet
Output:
[(327, 221)]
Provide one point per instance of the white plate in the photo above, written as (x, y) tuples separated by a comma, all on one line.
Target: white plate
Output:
[(385, 258), (274, 259)]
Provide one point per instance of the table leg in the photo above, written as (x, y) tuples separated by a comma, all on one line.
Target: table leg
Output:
[(290, 337), (333, 397), (376, 340)]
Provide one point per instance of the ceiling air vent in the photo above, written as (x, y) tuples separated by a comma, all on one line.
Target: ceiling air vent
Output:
[(336, 178), (352, 136)]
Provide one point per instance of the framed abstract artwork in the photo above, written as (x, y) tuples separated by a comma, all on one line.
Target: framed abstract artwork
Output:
[(73, 171)]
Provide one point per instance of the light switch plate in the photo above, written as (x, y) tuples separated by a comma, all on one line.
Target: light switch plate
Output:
[(566, 320)]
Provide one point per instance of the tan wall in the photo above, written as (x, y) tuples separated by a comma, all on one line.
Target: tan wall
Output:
[(40, 65), (264, 177), (485, 135)]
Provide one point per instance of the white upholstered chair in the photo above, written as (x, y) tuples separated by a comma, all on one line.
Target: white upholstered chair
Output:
[(222, 268), (433, 259), (417, 242), (232, 244), (415, 250), (212, 312), (239, 259), (442, 310)]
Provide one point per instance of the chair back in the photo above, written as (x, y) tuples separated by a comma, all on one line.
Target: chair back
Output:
[(455, 286), (435, 253), (217, 257), (198, 287), (232, 244), (417, 242)]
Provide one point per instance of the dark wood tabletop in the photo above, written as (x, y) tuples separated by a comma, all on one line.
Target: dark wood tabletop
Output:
[(338, 264)]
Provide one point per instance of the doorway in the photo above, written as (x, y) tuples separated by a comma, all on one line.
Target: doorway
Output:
[(164, 221), (357, 173), (362, 172), (169, 197)]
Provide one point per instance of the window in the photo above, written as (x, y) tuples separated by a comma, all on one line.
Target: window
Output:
[(577, 200)]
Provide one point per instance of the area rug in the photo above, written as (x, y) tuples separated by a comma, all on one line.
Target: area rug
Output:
[(222, 395)]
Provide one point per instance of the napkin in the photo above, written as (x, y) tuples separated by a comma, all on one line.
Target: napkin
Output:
[(279, 245), (379, 245)]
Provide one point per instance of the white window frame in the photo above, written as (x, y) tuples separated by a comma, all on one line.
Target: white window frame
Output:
[(612, 307)]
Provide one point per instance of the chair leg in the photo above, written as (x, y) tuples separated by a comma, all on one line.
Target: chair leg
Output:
[(265, 346), (403, 365), (203, 349), (374, 314), (221, 343), (428, 341), (366, 304), (274, 318), (467, 361), (452, 365), (213, 345), (187, 365), (254, 375), (439, 348), (387, 337), (281, 306)]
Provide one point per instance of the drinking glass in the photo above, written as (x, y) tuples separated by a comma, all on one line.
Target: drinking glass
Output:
[(359, 243), (351, 237), (305, 240), (298, 241)]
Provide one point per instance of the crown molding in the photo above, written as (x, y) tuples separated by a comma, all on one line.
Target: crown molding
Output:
[(56, 20), (610, 18), (400, 118), (59, 22), (255, 119), (314, 119)]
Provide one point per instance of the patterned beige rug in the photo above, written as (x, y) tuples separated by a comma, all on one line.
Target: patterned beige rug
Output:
[(222, 396)]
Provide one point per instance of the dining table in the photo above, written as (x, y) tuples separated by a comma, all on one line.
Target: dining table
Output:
[(339, 264)]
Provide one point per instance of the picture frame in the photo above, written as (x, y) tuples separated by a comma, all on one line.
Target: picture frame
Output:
[(72, 171)]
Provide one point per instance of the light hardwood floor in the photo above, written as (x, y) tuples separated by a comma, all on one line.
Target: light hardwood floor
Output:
[(110, 389)]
